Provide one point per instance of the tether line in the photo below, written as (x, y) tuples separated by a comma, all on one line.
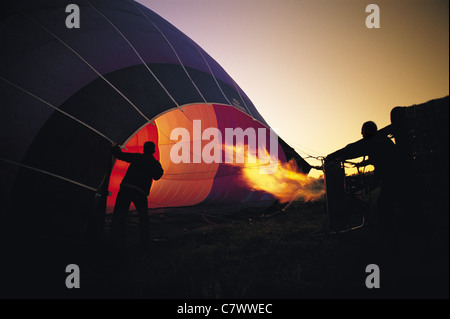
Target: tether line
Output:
[(137, 53), (50, 174), (174, 51), (87, 63), (57, 109), (212, 73)]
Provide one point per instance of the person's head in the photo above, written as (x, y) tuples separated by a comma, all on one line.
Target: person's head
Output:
[(149, 147), (369, 129)]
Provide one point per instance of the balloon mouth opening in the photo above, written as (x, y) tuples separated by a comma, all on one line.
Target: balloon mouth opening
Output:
[(184, 147)]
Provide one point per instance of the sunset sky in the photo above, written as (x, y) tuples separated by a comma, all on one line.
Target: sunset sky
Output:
[(313, 69)]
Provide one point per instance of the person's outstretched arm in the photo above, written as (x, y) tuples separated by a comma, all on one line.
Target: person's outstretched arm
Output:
[(127, 157)]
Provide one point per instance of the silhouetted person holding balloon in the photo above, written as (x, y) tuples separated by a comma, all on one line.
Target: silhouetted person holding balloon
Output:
[(383, 155), (135, 187)]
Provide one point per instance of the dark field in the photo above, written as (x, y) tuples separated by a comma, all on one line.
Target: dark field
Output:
[(225, 252), (263, 253)]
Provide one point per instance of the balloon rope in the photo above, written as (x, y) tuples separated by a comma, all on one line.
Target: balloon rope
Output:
[(211, 71), (137, 53), (50, 174), (87, 63), (57, 109), (174, 51)]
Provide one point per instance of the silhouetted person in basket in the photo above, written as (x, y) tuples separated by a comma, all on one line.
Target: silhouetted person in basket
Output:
[(383, 155), (135, 187)]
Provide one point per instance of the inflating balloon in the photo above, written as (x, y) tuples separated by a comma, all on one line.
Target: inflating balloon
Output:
[(124, 75)]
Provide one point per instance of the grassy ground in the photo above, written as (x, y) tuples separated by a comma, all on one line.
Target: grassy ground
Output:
[(226, 252), (252, 254)]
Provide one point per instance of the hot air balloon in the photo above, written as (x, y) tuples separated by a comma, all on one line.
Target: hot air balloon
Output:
[(124, 75)]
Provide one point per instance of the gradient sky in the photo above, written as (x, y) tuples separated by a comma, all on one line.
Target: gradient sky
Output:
[(313, 69)]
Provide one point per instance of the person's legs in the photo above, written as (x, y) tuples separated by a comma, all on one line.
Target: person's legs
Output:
[(121, 207), (140, 201)]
